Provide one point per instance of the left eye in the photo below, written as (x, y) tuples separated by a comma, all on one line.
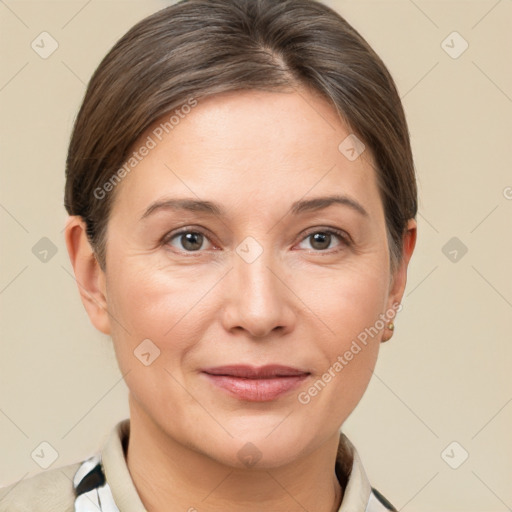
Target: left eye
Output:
[(321, 240)]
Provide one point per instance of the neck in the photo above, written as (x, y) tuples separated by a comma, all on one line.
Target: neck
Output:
[(171, 477)]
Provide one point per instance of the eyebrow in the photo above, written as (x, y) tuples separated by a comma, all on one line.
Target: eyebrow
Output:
[(211, 208)]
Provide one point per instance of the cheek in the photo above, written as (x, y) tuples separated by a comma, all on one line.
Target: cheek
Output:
[(347, 301), (349, 348), (164, 306)]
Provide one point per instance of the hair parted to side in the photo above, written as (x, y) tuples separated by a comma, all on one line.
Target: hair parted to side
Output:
[(197, 48)]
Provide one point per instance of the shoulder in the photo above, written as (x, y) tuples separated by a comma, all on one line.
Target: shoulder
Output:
[(52, 490)]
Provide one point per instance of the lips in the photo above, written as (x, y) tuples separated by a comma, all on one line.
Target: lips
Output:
[(253, 372), (255, 384)]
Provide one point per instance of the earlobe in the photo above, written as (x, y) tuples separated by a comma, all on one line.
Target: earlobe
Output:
[(89, 276)]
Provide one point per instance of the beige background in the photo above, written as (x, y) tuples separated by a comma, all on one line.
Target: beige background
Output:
[(444, 377)]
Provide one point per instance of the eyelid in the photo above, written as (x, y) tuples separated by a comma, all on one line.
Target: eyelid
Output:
[(185, 229), (341, 234)]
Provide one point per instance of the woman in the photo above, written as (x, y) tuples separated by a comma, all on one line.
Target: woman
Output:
[(242, 198)]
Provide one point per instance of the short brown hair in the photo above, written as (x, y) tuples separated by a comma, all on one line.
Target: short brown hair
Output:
[(198, 48)]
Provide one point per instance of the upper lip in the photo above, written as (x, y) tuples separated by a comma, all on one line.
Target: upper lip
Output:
[(254, 372)]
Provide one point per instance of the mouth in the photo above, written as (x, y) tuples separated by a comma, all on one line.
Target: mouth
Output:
[(255, 384)]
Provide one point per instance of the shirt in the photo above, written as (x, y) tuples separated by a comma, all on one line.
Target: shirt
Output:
[(103, 483)]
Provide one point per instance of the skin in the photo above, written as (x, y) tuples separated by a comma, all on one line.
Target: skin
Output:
[(300, 303)]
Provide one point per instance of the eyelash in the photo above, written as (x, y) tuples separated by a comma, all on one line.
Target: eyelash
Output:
[(341, 235)]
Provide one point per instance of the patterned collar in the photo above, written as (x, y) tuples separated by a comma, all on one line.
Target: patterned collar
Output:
[(93, 492), (92, 488)]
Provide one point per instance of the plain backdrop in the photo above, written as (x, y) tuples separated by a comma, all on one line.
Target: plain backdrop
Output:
[(442, 388)]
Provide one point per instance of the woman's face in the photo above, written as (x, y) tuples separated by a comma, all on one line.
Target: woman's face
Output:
[(252, 269)]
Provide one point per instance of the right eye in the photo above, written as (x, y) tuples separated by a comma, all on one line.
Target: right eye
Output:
[(187, 240)]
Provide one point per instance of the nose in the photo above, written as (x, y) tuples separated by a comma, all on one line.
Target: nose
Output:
[(258, 298)]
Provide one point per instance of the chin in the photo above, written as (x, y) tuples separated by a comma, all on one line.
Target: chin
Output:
[(257, 456), (266, 445)]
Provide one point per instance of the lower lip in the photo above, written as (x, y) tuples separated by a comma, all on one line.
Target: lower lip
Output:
[(256, 390)]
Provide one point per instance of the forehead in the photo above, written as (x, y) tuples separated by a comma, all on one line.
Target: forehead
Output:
[(251, 149)]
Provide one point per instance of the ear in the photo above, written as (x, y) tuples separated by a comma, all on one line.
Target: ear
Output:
[(399, 278), (89, 276)]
